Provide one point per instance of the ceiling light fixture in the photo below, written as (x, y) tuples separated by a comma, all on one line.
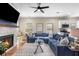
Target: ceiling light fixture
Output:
[(40, 8)]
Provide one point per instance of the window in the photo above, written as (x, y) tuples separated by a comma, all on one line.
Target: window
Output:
[(49, 28), (77, 25), (39, 27), (29, 28)]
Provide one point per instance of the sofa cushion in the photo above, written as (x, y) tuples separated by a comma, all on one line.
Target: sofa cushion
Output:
[(56, 36), (52, 41), (41, 34), (71, 39), (64, 41)]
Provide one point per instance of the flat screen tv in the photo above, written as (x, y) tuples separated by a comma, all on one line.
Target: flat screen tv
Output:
[(8, 13), (65, 25)]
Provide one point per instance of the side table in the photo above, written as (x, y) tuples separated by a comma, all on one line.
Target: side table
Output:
[(39, 43)]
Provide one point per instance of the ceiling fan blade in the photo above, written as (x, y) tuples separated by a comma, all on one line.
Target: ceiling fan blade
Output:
[(41, 10), (45, 7), (34, 7), (36, 10)]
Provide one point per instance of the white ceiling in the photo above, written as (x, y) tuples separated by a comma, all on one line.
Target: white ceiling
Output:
[(55, 9)]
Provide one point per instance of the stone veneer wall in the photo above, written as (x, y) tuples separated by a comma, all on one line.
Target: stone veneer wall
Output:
[(8, 30)]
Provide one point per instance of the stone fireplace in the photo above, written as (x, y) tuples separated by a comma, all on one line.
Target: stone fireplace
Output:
[(6, 41)]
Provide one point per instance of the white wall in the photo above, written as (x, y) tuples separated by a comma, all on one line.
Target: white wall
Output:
[(72, 23), (34, 21), (55, 21)]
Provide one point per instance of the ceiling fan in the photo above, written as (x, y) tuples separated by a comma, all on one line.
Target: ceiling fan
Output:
[(40, 8)]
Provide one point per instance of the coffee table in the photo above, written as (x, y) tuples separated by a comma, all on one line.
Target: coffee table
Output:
[(39, 43)]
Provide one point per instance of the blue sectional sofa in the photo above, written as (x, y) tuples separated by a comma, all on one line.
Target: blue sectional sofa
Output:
[(60, 50), (53, 42), (43, 36), (30, 38)]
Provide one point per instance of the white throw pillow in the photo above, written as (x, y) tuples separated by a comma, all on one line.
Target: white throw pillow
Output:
[(64, 41), (33, 35)]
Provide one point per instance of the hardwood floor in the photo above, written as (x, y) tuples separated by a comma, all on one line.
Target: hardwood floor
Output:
[(28, 49)]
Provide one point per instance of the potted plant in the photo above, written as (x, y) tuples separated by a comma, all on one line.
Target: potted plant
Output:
[(3, 47)]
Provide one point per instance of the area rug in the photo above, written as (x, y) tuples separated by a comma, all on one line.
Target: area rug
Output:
[(28, 49)]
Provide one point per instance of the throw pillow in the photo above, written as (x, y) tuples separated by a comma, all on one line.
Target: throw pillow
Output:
[(64, 41)]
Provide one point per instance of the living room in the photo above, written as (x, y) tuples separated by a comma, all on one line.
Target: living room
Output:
[(41, 29)]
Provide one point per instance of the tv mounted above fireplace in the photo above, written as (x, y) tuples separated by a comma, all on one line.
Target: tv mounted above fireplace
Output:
[(65, 25), (8, 14)]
